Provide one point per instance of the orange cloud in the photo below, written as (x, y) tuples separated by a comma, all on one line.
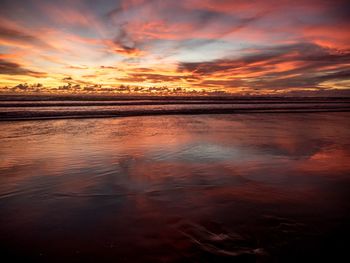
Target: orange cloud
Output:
[(129, 52)]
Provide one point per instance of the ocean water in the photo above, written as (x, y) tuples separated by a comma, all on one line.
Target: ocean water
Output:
[(39, 108), (181, 188)]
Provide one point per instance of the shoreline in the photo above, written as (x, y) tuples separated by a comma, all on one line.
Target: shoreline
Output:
[(94, 97), (173, 112)]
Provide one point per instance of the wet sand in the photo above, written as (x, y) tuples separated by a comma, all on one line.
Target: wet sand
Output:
[(182, 188)]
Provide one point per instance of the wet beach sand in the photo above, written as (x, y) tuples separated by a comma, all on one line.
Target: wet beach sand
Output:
[(183, 188)]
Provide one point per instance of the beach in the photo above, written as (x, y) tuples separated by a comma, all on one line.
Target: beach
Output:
[(269, 187)]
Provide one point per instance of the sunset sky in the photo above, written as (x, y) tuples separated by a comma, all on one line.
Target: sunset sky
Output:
[(257, 47)]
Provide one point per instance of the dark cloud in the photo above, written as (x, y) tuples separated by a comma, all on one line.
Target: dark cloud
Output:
[(170, 15), (67, 79), (108, 67), (123, 39), (78, 67), (90, 76), (154, 77), (70, 80), (20, 37), (345, 74), (10, 68), (314, 65), (157, 78), (235, 22), (305, 52), (124, 43), (302, 81)]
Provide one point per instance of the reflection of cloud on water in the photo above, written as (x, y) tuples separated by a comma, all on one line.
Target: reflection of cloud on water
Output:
[(198, 152)]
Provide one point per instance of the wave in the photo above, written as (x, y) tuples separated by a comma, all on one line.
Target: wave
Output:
[(163, 102), (102, 112), (39, 107)]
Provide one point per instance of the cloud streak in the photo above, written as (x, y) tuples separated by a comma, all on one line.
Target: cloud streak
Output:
[(12, 36), (302, 65), (10, 68)]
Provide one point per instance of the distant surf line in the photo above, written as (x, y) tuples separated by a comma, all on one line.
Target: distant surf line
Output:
[(113, 114)]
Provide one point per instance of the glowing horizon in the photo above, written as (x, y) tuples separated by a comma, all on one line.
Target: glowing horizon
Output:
[(239, 47)]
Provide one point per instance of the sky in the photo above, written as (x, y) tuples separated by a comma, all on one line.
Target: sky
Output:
[(238, 47)]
